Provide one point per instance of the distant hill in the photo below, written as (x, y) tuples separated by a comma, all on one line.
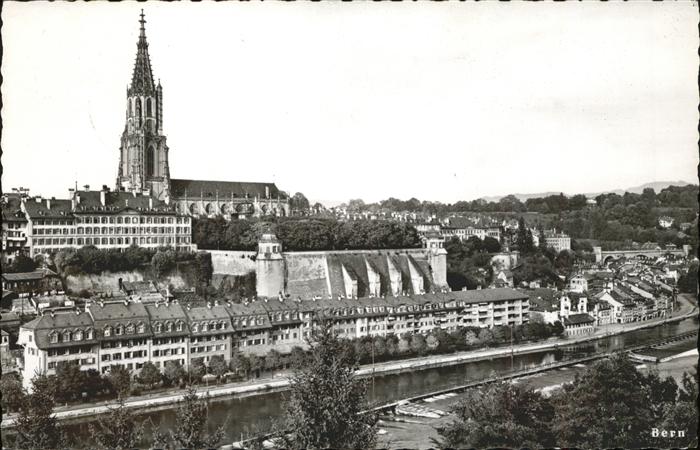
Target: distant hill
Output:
[(656, 185)]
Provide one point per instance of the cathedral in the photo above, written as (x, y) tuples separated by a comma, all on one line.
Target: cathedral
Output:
[(143, 159)]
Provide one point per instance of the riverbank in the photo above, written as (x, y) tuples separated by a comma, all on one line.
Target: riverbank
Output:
[(254, 387)]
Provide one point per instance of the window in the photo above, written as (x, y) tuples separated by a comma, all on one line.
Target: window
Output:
[(78, 336), (54, 337), (130, 329), (108, 331), (150, 161), (89, 334), (180, 326), (169, 327), (119, 330), (141, 328), (195, 328), (66, 336), (159, 327)]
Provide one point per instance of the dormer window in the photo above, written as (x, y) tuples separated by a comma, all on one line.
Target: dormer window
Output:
[(259, 321), (78, 335), (66, 336), (89, 334), (119, 330), (205, 327), (108, 331), (180, 326), (141, 328), (169, 327), (54, 337), (195, 328), (130, 329), (223, 325), (159, 327)]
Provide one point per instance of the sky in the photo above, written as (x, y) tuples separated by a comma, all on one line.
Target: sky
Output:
[(438, 101)]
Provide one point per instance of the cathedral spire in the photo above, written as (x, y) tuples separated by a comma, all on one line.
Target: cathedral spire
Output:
[(142, 79)]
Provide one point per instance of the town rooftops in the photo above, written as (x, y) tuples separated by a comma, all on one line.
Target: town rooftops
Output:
[(59, 321), (224, 190)]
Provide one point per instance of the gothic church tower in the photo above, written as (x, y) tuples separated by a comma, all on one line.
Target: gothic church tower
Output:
[(143, 160)]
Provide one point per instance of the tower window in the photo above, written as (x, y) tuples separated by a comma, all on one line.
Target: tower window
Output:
[(150, 161), (148, 107)]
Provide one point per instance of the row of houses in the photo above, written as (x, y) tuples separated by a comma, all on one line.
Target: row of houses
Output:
[(129, 334)]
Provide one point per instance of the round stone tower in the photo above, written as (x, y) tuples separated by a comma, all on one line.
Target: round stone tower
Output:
[(269, 267)]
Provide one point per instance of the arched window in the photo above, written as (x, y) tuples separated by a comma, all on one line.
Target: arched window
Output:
[(148, 107), (138, 107), (150, 161), (169, 326), (131, 108), (141, 328), (78, 335), (193, 208), (66, 336), (54, 337), (130, 328)]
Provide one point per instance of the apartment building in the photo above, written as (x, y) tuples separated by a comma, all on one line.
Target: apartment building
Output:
[(129, 334)]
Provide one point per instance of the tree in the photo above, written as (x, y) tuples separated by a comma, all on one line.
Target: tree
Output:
[(117, 429), (149, 374), (500, 415), (418, 345), (36, 426), (173, 372), (190, 429), (12, 393), (299, 202), (70, 381), (22, 263), (616, 406), (256, 364), (218, 366), (326, 398), (297, 357), (197, 369), (240, 363), (120, 379), (272, 360), (524, 240), (205, 270), (163, 262)]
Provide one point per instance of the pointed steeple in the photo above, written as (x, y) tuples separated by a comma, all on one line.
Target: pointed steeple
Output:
[(142, 79)]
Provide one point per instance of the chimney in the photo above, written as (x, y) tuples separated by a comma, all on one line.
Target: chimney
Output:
[(150, 202), (103, 197), (48, 203), (87, 187), (267, 191)]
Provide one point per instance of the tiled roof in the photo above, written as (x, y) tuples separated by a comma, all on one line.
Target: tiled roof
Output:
[(576, 319), (39, 274), (224, 189), (59, 321), (40, 209), (117, 201)]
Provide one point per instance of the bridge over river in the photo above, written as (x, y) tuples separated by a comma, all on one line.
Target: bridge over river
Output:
[(607, 255)]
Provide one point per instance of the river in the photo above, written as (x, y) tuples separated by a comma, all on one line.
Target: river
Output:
[(257, 412)]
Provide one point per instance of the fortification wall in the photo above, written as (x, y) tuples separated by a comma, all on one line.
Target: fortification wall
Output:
[(232, 262)]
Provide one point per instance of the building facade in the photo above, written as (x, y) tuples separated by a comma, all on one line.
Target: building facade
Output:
[(126, 333), (105, 219)]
